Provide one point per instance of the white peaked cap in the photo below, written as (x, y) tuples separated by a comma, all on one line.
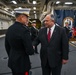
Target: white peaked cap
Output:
[(25, 11), (34, 21)]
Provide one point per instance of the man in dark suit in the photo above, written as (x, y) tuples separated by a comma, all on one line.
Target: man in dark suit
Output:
[(54, 47), (34, 33), (18, 45)]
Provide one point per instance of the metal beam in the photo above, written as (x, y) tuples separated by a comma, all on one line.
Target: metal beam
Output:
[(63, 0), (25, 5), (65, 7)]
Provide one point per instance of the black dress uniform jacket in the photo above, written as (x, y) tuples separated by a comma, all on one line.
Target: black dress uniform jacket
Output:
[(55, 50), (18, 45)]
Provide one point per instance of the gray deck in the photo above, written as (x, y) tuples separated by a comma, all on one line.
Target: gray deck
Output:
[(68, 69)]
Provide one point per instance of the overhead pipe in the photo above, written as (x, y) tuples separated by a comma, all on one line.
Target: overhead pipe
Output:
[(47, 11), (49, 6), (3, 4), (50, 10), (44, 8)]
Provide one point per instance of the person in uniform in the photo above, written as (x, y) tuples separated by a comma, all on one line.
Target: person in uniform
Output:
[(67, 29), (34, 33), (18, 45)]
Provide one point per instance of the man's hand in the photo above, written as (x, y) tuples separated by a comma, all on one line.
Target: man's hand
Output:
[(64, 61), (34, 47)]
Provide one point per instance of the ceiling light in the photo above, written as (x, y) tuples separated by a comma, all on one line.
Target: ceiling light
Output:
[(20, 7), (34, 11), (68, 2), (14, 2), (34, 2), (34, 8), (57, 2)]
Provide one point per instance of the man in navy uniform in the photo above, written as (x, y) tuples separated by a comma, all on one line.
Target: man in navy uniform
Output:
[(18, 45)]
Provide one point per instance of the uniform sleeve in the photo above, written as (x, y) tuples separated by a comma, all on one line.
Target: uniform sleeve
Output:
[(27, 43), (7, 46)]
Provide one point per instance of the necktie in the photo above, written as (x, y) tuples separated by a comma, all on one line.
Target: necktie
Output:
[(26, 73), (48, 35)]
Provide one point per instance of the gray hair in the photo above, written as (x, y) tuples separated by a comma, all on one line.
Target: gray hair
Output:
[(52, 17)]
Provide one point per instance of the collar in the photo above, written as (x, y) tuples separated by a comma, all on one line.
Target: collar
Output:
[(52, 29)]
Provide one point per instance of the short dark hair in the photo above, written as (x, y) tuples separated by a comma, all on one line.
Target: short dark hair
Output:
[(18, 14), (33, 21)]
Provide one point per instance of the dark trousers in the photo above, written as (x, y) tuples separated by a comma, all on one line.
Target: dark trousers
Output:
[(47, 70), (36, 49), (14, 73)]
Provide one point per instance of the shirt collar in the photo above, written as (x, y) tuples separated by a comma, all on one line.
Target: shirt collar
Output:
[(52, 29)]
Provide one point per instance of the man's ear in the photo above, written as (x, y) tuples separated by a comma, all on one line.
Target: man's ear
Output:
[(21, 17)]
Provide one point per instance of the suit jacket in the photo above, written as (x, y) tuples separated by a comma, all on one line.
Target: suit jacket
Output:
[(34, 33), (67, 31), (18, 45), (55, 50)]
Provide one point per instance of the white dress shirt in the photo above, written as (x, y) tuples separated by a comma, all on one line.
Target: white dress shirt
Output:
[(51, 30)]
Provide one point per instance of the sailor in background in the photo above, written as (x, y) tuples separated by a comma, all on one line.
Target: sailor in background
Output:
[(34, 33), (67, 28)]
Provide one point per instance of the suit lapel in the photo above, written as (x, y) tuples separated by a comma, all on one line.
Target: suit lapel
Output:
[(45, 32)]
